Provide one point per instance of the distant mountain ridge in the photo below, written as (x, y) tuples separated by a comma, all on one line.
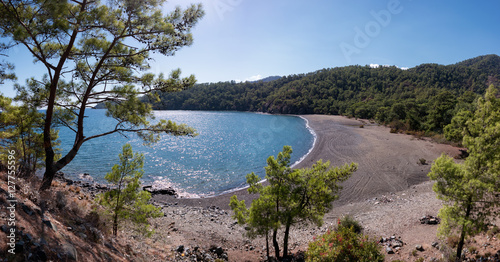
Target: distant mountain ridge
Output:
[(424, 97), (267, 79)]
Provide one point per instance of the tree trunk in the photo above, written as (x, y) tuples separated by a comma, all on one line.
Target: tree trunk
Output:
[(285, 240), (267, 245), (275, 244), (51, 168), (49, 174), (462, 234), (115, 224)]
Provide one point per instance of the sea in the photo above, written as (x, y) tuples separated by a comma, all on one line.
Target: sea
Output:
[(229, 145)]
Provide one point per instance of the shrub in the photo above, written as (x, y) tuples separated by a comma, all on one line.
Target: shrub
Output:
[(343, 245), (61, 200), (77, 207), (349, 222), (422, 161), (493, 231), (126, 201)]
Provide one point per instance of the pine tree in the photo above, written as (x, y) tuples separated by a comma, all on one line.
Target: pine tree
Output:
[(21, 131), (469, 190), (98, 52), (127, 200), (292, 196)]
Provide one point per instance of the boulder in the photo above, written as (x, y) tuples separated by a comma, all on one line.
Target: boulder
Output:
[(163, 191), (429, 220), (70, 251)]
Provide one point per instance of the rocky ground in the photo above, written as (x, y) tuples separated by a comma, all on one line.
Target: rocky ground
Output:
[(389, 195), (48, 228)]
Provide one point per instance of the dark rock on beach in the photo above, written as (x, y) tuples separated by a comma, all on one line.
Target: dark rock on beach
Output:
[(163, 191)]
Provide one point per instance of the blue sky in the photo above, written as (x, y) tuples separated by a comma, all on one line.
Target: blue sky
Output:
[(250, 39)]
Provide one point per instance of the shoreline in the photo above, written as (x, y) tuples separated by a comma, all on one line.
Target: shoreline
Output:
[(264, 180), (383, 167), (315, 136)]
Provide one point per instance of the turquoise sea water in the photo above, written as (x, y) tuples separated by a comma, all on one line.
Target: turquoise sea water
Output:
[(229, 146)]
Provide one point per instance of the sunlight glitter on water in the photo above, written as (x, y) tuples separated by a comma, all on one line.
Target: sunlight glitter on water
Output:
[(229, 146)]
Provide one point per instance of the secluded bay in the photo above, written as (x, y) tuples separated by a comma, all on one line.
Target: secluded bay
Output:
[(229, 146)]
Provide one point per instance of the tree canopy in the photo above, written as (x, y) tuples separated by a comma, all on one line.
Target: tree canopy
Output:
[(97, 52)]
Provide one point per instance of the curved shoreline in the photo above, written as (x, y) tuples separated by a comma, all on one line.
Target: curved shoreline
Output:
[(315, 139), (387, 162), (264, 180)]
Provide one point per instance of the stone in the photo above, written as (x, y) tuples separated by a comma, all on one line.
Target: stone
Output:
[(28, 237), (217, 250), (429, 220), (26, 209), (20, 247), (389, 250), (180, 249), (101, 187), (110, 246), (396, 244), (39, 254), (419, 247), (43, 242), (49, 224), (208, 257), (4, 228), (70, 251), (435, 244), (86, 176), (163, 191)]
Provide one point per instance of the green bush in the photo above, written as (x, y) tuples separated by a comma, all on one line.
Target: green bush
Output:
[(349, 222), (343, 245)]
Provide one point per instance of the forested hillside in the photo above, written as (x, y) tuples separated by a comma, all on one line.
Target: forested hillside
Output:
[(421, 98)]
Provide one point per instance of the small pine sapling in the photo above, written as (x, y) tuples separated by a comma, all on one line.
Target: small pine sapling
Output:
[(126, 200)]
